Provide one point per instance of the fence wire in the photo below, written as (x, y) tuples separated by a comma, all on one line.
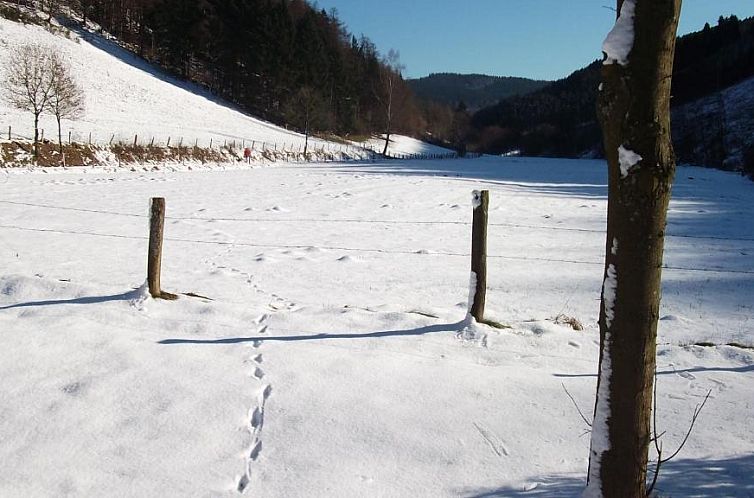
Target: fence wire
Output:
[(363, 221), (359, 249)]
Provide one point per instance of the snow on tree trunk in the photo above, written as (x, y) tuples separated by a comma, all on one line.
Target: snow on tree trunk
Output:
[(634, 112)]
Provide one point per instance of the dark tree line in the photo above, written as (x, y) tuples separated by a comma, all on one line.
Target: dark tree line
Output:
[(560, 119), (259, 54)]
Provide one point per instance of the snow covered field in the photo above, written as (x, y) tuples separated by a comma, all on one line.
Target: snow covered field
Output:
[(327, 361)]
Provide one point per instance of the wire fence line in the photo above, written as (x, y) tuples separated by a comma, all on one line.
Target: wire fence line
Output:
[(359, 249), (365, 221), (231, 143)]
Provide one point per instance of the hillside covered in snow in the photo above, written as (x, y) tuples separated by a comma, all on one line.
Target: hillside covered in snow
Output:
[(126, 97)]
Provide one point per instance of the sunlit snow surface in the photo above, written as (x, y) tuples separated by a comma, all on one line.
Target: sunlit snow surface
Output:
[(330, 360)]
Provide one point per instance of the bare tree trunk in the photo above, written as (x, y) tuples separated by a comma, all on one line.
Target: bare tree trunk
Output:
[(387, 141), (306, 139), (36, 137), (60, 135), (634, 114)]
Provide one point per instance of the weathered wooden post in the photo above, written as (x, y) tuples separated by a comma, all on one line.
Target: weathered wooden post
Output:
[(168, 145), (154, 260), (481, 201), (69, 137)]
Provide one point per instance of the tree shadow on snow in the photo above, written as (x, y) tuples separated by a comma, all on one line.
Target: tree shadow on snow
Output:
[(450, 327), (126, 296), (743, 369), (731, 477), (550, 487)]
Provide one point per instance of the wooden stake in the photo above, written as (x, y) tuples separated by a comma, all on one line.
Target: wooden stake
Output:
[(9, 132), (136, 137), (479, 253), (168, 142), (154, 261), (156, 226)]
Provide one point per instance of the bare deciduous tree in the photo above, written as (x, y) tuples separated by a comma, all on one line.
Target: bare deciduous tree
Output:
[(308, 112), (390, 75), (28, 82), (66, 99)]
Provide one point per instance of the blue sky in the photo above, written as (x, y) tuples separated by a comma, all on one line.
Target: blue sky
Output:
[(545, 39)]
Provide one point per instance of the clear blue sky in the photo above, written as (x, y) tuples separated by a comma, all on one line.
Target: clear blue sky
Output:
[(544, 39)]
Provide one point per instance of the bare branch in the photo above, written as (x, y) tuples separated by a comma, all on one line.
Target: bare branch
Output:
[(586, 421), (697, 411)]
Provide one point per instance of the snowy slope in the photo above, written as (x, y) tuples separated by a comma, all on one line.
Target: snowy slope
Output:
[(328, 362), (402, 145), (699, 125), (125, 96)]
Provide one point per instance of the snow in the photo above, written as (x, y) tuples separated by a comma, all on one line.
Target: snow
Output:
[(627, 160), (472, 289), (476, 199), (600, 440), (608, 293), (620, 41), (403, 145), (730, 109), (600, 437), (332, 358), (129, 97)]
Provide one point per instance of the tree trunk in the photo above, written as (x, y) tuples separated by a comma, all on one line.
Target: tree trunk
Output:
[(306, 136), (60, 135), (634, 112), (387, 142), (36, 137)]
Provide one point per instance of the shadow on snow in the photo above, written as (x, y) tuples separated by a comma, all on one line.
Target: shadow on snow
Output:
[(450, 327), (731, 477)]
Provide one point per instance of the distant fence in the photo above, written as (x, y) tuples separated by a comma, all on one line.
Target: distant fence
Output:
[(283, 149)]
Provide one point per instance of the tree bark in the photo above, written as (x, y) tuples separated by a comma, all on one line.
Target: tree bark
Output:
[(60, 135), (36, 137), (634, 112)]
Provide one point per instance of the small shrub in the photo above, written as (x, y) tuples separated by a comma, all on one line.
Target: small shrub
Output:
[(13, 14), (572, 322)]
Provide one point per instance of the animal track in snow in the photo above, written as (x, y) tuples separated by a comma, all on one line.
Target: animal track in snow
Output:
[(256, 414), (495, 443)]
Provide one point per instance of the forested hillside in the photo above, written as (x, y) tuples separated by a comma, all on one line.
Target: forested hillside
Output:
[(267, 56), (474, 91), (559, 120)]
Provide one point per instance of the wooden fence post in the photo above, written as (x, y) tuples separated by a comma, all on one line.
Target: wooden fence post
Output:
[(156, 226), (69, 137), (136, 137), (481, 202), (9, 132), (168, 142), (154, 261)]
